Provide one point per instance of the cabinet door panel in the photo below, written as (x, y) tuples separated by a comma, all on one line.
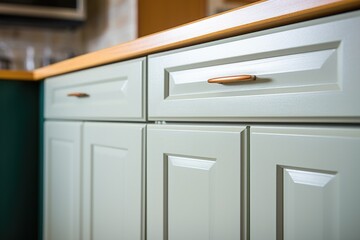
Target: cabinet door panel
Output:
[(62, 180), (303, 183), (194, 181), (112, 200), (189, 191), (310, 204)]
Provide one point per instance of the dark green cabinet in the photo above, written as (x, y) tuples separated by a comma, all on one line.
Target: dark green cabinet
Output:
[(19, 160)]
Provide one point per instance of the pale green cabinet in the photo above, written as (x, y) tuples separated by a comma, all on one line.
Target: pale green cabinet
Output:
[(112, 200), (304, 183), (304, 72), (112, 92), (62, 178), (94, 185), (210, 181), (194, 182)]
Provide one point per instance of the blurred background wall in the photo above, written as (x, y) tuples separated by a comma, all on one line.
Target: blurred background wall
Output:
[(108, 22)]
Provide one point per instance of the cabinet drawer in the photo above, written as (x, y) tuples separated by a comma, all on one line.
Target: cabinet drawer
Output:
[(111, 92), (304, 72)]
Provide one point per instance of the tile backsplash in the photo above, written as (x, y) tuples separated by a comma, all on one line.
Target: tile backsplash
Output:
[(29, 48)]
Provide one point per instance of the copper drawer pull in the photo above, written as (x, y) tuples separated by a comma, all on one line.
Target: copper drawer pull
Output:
[(78, 94), (232, 79)]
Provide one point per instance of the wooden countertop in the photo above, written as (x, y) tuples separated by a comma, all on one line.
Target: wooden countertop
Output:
[(254, 17)]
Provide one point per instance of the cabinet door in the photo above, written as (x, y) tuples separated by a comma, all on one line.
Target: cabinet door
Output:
[(62, 189), (112, 200), (304, 183), (193, 182)]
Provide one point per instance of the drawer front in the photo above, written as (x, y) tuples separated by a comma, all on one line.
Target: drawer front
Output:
[(111, 92), (304, 72)]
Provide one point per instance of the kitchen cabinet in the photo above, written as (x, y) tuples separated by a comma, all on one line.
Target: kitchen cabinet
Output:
[(303, 183), (210, 170), (113, 199), (94, 170), (302, 178), (194, 181), (62, 184), (93, 181), (19, 160)]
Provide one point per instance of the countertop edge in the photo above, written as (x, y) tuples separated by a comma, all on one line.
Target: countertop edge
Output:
[(17, 75)]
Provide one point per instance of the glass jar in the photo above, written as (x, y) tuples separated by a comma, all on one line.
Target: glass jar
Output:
[(5, 56)]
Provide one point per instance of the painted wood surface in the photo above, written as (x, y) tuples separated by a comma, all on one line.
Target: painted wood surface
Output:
[(304, 183), (62, 171), (113, 192), (304, 72), (19, 160), (194, 182), (114, 92)]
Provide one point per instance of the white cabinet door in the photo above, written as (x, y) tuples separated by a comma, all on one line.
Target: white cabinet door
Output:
[(112, 197), (304, 183), (62, 189), (194, 182)]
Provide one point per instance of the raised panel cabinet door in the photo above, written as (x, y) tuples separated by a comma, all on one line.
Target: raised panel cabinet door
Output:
[(304, 183), (194, 182), (62, 177), (113, 202)]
